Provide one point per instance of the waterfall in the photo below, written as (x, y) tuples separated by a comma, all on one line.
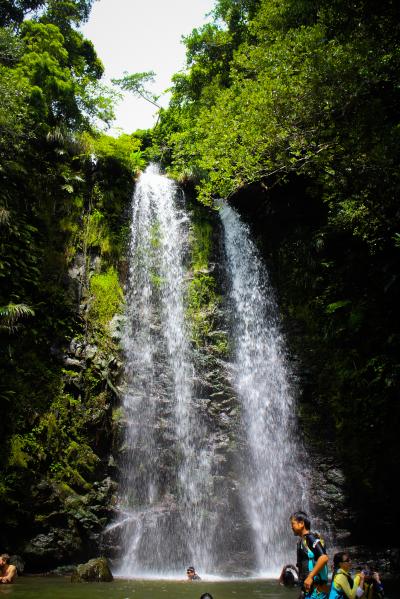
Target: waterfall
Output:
[(203, 481), (270, 468), (166, 519)]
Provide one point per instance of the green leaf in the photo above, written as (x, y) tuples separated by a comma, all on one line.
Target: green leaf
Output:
[(331, 308)]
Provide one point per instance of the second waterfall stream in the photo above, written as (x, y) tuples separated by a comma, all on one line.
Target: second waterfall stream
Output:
[(185, 499)]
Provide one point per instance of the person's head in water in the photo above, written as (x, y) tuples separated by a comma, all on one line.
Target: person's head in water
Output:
[(288, 579), (206, 596), (4, 559), (289, 576), (192, 574)]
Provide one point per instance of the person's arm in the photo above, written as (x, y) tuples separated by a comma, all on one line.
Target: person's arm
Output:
[(358, 586), (319, 564), (9, 577), (378, 586)]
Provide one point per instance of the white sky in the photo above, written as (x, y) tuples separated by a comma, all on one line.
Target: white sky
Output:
[(143, 35)]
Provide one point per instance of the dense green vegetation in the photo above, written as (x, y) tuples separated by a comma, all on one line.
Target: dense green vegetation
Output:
[(290, 109), (64, 191)]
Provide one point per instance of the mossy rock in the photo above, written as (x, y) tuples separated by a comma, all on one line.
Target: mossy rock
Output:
[(95, 570)]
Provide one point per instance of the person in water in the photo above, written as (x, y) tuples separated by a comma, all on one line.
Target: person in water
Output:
[(312, 559), (192, 574), (343, 584), (8, 572), (206, 596), (289, 577)]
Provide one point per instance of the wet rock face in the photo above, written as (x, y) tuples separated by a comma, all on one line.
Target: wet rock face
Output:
[(70, 527), (52, 548), (71, 511), (95, 570)]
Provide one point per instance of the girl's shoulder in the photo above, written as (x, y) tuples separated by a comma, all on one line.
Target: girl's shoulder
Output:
[(339, 578)]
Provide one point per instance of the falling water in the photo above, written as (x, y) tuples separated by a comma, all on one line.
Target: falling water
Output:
[(270, 467), (165, 519), (178, 505)]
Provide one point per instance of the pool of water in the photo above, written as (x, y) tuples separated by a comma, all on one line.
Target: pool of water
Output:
[(32, 587), (27, 587)]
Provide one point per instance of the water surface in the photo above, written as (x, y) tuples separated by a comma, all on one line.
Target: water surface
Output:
[(61, 588)]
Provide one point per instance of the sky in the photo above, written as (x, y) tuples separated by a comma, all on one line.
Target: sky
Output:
[(138, 36)]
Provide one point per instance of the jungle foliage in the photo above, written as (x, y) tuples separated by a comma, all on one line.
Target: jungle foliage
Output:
[(65, 186), (290, 109)]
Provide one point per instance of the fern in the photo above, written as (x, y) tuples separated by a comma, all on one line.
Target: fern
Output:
[(11, 314)]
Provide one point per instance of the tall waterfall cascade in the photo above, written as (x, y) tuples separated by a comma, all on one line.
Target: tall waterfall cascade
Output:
[(177, 505), (270, 468), (166, 515)]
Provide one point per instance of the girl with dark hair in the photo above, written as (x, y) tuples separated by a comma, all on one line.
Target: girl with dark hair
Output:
[(342, 583), (312, 559)]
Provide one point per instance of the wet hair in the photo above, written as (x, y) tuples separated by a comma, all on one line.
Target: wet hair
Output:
[(190, 569), (301, 517), (288, 579), (206, 596), (5, 557), (338, 558)]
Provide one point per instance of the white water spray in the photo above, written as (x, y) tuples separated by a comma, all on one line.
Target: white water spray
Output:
[(270, 467), (166, 517), (180, 478)]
